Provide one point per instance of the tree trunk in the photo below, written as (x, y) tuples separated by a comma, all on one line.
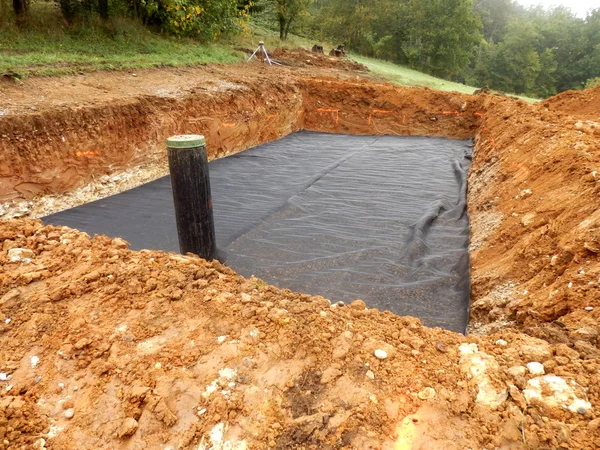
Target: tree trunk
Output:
[(20, 7), (287, 28), (103, 9), (282, 27)]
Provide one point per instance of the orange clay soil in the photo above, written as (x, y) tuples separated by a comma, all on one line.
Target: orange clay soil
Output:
[(106, 348)]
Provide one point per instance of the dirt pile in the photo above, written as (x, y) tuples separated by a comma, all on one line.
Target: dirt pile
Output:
[(576, 103), (300, 57), (103, 347)]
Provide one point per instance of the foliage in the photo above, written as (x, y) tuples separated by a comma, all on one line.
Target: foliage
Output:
[(537, 51), (498, 43), (436, 36), (592, 83), (287, 12), (205, 19)]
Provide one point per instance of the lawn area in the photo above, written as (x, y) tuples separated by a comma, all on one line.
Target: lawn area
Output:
[(45, 48), (408, 77)]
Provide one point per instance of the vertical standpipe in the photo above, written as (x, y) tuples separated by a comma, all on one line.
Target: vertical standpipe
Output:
[(188, 164)]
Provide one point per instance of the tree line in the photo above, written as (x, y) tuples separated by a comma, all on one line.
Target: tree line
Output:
[(497, 43), (203, 19)]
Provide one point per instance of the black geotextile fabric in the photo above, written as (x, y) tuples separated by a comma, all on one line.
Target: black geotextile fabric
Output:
[(380, 218)]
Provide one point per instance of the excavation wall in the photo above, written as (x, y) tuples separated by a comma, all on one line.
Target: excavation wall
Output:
[(57, 151)]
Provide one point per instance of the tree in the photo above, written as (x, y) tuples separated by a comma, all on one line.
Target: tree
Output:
[(437, 36), (494, 15), (20, 7), (103, 9), (515, 64), (287, 12)]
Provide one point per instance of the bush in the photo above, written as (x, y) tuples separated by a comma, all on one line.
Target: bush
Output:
[(592, 83)]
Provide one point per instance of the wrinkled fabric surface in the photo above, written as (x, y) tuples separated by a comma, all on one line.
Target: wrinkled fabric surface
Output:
[(380, 218)]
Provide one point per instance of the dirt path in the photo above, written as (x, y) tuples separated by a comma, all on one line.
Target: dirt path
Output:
[(103, 347)]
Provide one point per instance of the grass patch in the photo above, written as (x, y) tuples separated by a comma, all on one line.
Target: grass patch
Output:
[(404, 76), (45, 48)]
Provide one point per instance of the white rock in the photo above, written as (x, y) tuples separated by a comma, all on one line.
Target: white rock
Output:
[(535, 368), (35, 361), (380, 354), (3, 376), (221, 339), (426, 393), (370, 374), (20, 255), (69, 413), (554, 392), (228, 373), (501, 343), (217, 440), (40, 444), (479, 366), (589, 308)]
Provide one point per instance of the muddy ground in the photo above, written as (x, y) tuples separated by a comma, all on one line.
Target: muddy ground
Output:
[(107, 348)]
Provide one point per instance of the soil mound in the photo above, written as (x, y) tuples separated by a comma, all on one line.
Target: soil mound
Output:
[(577, 103), (106, 348), (300, 57)]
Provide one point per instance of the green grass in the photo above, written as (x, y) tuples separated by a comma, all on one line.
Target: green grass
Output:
[(404, 76), (43, 48)]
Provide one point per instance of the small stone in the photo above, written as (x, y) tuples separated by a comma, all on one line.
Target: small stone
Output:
[(594, 425), (128, 427), (330, 374), (426, 393), (119, 243), (20, 255), (589, 308), (441, 347), (535, 368), (501, 343), (370, 374), (517, 396), (517, 371), (380, 354), (38, 379), (35, 361), (3, 376), (69, 413), (358, 304), (158, 366)]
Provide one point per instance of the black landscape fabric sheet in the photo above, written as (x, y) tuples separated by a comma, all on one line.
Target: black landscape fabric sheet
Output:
[(380, 218)]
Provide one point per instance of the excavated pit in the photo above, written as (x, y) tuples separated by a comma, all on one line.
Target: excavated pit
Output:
[(380, 218), (157, 350)]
